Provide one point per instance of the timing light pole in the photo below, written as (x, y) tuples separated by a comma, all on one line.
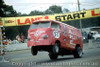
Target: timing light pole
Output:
[(80, 19), (2, 47)]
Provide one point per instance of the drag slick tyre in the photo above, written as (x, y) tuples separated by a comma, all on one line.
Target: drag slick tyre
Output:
[(34, 50), (53, 56), (77, 53)]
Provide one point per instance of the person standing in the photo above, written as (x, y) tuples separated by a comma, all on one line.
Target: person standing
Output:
[(18, 38), (22, 38), (89, 35), (90, 39)]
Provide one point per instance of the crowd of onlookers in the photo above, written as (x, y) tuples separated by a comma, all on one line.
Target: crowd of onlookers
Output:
[(17, 40)]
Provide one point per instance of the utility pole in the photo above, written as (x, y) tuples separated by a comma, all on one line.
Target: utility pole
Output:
[(79, 19)]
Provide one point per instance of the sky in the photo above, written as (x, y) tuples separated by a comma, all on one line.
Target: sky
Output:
[(26, 6)]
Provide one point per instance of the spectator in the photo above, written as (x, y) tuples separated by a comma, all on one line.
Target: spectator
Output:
[(14, 41), (5, 42), (89, 35), (18, 38), (22, 38), (10, 42), (17, 42), (90, 39)]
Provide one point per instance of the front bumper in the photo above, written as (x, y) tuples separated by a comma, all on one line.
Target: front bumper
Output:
[(38, 43)]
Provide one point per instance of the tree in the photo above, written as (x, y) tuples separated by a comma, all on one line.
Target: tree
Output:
[(48, 11), (55, 9), (6, 10), (9, 11), (24, 14), (36, 13), (84, 9), (65, 10), (2, 6), (19, 14), (51, 10)]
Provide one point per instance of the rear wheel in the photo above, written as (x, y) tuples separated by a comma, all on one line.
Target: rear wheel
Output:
[(78, 52), (34, 50)]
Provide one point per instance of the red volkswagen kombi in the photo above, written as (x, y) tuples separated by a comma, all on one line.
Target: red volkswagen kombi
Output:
[(55, 37)]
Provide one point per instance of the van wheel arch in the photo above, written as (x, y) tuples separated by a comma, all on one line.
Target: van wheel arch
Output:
[(58, 42), (77, 45)]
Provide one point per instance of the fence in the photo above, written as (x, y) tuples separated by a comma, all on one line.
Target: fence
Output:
[(94, 43), (14, 47)]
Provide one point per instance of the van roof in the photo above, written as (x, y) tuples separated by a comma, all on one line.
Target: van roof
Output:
[(53, 21), (43, 20), (48, 20)]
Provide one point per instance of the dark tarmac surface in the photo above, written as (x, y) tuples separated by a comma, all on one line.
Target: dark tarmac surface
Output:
[(24, 58)]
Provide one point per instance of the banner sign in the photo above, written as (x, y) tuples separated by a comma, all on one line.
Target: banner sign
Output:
[(26, 20)]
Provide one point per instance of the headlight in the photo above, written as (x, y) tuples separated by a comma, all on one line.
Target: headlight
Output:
[(45, 36), (84, 38), (28, 38)]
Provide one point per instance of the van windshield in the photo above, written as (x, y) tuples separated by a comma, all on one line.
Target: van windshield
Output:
[(40, 25)]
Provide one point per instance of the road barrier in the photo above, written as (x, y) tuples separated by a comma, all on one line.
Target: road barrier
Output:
[(14, 47), (97, 42), (23, 46), (90, 43), (2, 48), (94, 43)]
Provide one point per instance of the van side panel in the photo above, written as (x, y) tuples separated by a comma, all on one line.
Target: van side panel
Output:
[(72, 37)]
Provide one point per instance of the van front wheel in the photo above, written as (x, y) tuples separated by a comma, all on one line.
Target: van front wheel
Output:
[(55, 48), (34, 50)]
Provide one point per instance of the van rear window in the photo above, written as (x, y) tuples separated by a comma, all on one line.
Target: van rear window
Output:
[(55, 26), (40, 25)]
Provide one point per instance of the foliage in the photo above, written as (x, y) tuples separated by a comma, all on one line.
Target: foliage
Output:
[(32, 13), (65, 10), (48, 11), (6, 10), (55, 9), (2, 7), (12, 32)]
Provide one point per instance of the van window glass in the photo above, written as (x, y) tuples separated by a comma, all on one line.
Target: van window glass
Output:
[(55, 26), (40, 25), (34, 25), (44, 25)]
